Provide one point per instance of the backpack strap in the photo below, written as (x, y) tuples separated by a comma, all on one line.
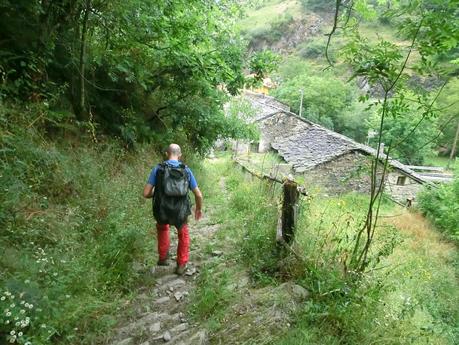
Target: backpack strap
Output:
[(186, 169)]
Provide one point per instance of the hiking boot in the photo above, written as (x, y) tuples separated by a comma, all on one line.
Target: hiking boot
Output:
[(180, 270), (164, 262)]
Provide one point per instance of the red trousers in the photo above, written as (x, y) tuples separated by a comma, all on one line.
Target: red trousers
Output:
[(183, 247)]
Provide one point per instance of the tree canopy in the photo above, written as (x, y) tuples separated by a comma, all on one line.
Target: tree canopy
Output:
[(135, 68)]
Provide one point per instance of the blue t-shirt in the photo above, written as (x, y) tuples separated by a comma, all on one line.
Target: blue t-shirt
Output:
[(191, 180)]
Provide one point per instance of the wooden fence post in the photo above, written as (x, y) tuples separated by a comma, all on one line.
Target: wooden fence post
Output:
[(288, 220)]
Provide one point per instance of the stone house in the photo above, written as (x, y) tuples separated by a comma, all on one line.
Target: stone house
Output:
[(321, 156)]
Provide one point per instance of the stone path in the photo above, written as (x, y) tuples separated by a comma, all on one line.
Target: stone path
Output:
[(161, 310)]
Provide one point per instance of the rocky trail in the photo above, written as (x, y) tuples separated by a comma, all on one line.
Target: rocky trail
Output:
[(160, 313), (161, 310)]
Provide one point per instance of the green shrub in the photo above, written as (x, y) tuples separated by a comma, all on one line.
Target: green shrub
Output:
[(441, 205), (312, 49), (408, 296)]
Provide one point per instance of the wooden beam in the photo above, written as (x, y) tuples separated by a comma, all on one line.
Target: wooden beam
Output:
[(261, 176)]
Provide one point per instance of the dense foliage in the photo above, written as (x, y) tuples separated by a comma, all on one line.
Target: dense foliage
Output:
[(327, 99), (82, 83), (134, 68), (318, 5), (412, 136), (441, 205)]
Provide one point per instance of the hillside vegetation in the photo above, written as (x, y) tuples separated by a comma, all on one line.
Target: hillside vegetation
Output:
[(339, 98), (73, 223)]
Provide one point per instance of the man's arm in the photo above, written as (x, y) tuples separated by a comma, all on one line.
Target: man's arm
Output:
[(198, 199), (148, 191)]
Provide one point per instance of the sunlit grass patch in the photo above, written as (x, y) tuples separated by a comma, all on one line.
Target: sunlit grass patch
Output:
[(263, 16)]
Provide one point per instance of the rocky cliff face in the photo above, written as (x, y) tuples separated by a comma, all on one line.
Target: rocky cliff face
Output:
[(293, 33)]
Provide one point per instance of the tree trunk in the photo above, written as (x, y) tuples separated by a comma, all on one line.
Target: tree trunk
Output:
[(82, 113), (453, 149)]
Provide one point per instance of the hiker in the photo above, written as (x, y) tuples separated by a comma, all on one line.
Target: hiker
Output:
[(168, 185)]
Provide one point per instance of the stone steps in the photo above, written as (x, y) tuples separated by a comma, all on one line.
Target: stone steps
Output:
[(161, 312)]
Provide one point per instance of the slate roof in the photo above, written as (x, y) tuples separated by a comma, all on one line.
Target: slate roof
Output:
[(264, 106), (313, 146), (316, 144)]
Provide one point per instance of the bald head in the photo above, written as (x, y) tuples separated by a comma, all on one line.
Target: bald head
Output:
[(174, 151)]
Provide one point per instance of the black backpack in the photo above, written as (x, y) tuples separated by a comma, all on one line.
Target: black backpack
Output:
[(171, 203)]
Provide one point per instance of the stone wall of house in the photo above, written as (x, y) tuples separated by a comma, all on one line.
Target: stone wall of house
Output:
[(351, 172), (402, 192), (280, 125)]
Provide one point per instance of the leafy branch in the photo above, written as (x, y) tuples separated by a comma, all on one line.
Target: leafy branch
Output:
[(380, 65)]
